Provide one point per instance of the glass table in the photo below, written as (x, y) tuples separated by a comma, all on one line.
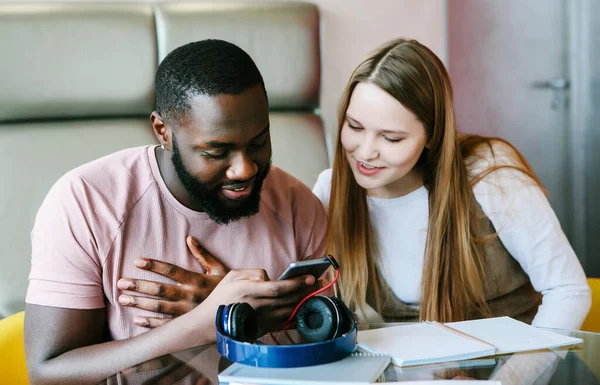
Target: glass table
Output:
[(576, 365)]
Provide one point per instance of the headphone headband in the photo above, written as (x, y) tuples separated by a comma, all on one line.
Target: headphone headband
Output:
[(286, 356)]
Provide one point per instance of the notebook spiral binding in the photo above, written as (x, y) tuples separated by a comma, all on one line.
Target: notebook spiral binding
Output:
[(368, 354), (359, 352), (455, 332), (445, 328)]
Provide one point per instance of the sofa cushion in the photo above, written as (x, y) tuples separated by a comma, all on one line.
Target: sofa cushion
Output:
[(282, 38), (34, 157), (69, 60), (298, 143)]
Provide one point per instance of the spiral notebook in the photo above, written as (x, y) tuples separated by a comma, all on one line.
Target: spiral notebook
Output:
[(358, 368), (433, 342)]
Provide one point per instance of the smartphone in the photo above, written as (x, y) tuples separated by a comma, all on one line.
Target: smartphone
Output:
[(315, 267)]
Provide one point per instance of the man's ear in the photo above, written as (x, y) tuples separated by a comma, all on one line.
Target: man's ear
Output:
[(161, 130)]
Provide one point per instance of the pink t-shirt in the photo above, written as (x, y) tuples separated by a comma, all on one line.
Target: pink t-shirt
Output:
[(100, 217)]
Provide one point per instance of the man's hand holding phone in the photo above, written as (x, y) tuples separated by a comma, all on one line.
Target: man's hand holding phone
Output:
[(273, 301), (314, 267)]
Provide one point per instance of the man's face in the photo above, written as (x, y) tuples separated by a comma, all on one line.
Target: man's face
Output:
[(222, 153)]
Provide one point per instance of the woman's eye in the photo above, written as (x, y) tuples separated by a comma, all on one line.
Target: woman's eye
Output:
[(391, 140), (354, 128)]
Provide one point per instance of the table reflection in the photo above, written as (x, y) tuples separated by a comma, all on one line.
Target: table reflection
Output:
[(577, 365)]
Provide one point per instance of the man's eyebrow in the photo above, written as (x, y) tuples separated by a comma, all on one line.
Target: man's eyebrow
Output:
[(217, 144), (263, 132)]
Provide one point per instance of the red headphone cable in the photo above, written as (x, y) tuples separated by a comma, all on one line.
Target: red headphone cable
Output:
[(337, 275)]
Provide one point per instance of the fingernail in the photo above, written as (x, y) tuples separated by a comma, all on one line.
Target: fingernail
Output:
[(140, 262), (141, 321), (194, 241), (124, 284), (310, 280), (126, 300)]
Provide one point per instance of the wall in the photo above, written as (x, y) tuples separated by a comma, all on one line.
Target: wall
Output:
[(591, 132), (352, 28)]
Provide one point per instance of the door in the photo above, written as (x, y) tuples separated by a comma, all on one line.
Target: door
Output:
[(509, 63)]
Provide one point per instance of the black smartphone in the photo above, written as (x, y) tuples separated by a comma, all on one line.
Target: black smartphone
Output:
[(315, 267)]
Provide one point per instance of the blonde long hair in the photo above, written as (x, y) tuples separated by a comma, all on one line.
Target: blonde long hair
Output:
[(452, 278)]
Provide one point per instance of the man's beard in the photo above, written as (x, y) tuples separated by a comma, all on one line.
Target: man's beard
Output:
[(208, 197)]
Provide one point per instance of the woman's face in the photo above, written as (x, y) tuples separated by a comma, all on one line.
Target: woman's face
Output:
[(383, 142)]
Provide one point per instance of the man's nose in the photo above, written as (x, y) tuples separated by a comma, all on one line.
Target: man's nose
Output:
[(242, 167)]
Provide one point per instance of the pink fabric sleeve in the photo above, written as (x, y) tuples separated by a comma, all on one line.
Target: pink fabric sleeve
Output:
[(311, 234), (65, 267), (313, 225)]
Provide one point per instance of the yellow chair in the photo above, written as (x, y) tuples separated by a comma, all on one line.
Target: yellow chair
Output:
[(12, 350), (592, 321)]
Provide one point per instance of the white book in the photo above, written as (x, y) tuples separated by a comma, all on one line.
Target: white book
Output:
[(357, 368), (433, 342), (508, 335), (447, 382)]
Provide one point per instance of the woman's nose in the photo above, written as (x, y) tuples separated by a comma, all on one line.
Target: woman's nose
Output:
[(367, 149)]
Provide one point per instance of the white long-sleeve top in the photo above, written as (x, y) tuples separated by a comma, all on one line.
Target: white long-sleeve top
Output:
[(526, 225)]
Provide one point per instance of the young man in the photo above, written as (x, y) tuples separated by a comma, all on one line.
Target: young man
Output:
[(107, 227)]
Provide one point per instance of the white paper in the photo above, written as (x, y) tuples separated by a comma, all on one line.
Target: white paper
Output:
[(511, 336)]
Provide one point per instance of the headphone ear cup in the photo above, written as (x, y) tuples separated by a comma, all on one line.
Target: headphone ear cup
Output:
[(347, 320), (243, 322), (317, 319), (219, 319)]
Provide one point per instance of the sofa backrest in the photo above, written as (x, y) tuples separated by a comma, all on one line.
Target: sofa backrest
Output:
[(77, 84)]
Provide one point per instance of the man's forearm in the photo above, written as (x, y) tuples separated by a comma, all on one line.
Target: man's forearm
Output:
[(62, 345), (91, 364)]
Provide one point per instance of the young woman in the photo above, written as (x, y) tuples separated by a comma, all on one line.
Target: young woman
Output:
[(431, 224)]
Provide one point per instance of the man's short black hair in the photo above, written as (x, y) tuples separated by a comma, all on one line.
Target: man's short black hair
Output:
[(206, 67)]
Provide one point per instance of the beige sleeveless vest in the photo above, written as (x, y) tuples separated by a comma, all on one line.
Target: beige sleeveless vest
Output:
[(507, 287)]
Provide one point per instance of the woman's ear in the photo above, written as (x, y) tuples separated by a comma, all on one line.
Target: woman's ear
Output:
[(161, 130)]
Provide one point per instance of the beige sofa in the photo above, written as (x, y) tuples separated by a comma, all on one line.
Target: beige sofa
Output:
[(77, 83)]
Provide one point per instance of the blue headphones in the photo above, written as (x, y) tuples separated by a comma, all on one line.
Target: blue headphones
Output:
[(325, 324)]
